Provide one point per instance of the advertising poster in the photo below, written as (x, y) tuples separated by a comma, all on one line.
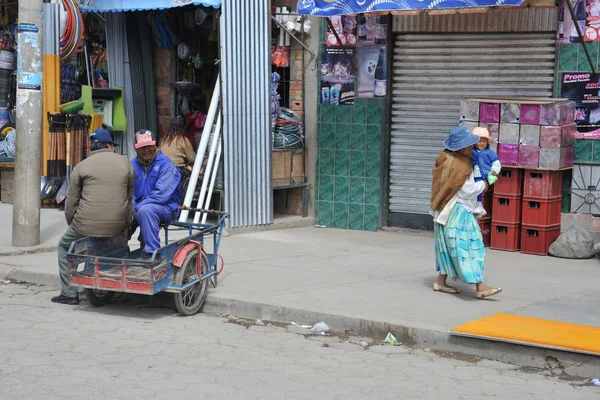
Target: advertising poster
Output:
[(371, 71), (587, 16), (337, 75), (358, 29), (582, 88)]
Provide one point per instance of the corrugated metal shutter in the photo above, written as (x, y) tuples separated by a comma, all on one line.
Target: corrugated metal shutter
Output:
[(246, 75), (431, 74)]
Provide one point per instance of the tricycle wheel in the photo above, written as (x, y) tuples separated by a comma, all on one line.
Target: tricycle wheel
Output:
[(190, 300), (98, 297)]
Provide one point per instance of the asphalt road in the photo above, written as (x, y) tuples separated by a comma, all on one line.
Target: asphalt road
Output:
[(131, 350)]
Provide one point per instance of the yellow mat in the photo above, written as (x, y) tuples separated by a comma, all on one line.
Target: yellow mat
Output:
[(533, 332)]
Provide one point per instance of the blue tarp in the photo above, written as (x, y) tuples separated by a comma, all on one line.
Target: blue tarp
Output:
[(341, 7), (137, 5)]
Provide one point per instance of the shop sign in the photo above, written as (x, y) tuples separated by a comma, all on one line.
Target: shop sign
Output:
[(582, 88)]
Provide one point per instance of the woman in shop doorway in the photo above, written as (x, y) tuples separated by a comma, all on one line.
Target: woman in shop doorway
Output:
[(178, 148), (459, 249)]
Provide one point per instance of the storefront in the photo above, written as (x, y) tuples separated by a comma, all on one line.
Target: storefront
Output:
[(436, 58)]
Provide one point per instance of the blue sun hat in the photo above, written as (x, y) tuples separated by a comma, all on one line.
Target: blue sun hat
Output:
[(460, 138)]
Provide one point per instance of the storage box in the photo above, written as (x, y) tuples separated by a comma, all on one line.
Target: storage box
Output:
[(536, 239), (510, 182), (489, 112), (488, 202), (510, 112), (529, 156), (505, 236), (469, 125), (469, 110), (541, 212), (558, 113), (568, 134), (494, 130), (557, 136), (508, 154), (529, 135), (542, 184), (509, 134), (288, 167), (530, 114), (557, 158), (485, 225), (494, 147), (506, 209)]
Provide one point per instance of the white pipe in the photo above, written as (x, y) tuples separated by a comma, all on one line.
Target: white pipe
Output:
[(209, 166), (213, 179), (210, 120)]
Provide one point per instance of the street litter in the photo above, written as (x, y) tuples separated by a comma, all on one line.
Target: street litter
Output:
[(4, 281), (320, 226), (259, 322), (390, 339), (596, 382), (364, 344), (320, 328)]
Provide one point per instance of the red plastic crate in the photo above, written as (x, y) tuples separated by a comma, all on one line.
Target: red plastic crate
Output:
[(488, 202), (537, 239), (510, 182), (506, 209), (485, 224), (505, 236), (542, 184), (541, 212)]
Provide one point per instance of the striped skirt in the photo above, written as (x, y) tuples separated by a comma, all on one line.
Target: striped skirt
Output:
[(459, 249)]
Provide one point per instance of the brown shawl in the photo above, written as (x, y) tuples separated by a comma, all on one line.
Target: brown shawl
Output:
[(450, 173)]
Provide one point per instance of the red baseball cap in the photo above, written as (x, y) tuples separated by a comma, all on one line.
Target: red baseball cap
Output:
[(144, 138)]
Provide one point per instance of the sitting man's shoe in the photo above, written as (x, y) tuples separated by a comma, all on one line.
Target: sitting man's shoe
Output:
[(60, 299)]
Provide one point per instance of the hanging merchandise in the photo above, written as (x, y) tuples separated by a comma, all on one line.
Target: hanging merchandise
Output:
[(287, 133), (161, 29), (275, 97), (72, 32)]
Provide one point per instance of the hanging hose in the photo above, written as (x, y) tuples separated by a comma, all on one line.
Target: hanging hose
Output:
[(161, 29), (71, 39)]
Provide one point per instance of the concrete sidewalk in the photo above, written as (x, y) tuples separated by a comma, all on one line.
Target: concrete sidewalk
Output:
[(375, 282)]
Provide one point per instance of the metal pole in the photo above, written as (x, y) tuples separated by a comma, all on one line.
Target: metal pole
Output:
[(28, 162)]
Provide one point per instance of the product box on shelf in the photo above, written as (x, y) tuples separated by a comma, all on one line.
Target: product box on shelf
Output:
[(529, 156), (509, 133), (489, 112), (557, 158), (542, 184), (506, 209), (508, 154), (510, 182), (469, 110), (510, 112), (529, 135), (541, 212), (505, 236), (537, 239)]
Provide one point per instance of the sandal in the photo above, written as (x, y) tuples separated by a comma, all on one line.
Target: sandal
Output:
[(445, 289), (488, 293)]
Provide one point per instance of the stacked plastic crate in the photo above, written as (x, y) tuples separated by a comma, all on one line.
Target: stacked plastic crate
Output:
[(534, 139)]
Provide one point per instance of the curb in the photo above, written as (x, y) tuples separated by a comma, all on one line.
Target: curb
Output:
[(524, 356), (34, 250)]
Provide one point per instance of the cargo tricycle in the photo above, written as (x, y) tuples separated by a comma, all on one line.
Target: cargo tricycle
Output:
[(183, 267)]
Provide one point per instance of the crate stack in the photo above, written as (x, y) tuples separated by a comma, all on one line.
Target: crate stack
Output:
[(534, 139)]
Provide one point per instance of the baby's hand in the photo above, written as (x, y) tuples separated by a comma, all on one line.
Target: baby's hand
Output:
[(494, 173)]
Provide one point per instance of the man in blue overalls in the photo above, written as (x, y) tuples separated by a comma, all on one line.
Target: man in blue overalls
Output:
[(156, 193)]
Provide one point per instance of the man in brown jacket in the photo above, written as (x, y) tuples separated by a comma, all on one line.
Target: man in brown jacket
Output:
[(99, 203)]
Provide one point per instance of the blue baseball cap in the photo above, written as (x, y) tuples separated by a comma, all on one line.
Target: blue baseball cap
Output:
[(102, 136)]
